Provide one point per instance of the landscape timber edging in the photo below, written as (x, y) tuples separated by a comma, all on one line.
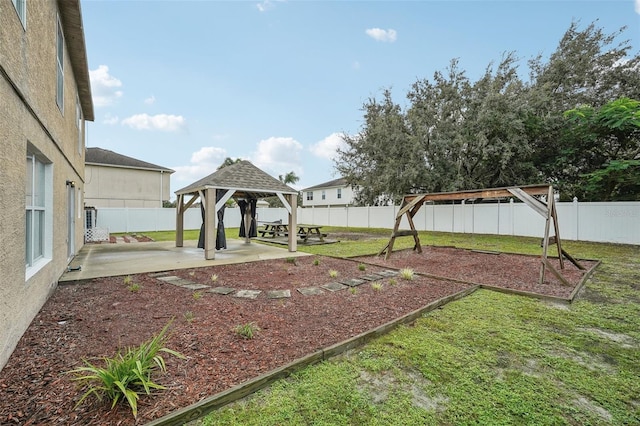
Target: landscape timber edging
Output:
[(214, 402)]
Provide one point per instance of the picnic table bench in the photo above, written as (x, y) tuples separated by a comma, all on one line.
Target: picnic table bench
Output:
[(274, 229), (279, 229)]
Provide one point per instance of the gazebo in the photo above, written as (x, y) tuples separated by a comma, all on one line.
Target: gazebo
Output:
[(246, 184)]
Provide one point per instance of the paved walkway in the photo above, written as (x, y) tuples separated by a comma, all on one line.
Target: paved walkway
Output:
[(106, 260)]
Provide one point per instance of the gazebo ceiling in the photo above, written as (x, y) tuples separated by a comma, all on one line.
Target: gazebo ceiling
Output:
[(247, 180)]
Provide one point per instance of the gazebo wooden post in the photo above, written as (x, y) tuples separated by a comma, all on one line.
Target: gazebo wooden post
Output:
[(210, 223), (293, 222), (180, 221)]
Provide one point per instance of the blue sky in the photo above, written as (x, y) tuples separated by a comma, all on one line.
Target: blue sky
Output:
[(185, 84)]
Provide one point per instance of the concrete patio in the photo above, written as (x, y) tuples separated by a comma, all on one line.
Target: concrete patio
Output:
[(106, 260)]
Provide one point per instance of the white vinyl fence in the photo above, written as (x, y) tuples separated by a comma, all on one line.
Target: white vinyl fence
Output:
[(614, 222)]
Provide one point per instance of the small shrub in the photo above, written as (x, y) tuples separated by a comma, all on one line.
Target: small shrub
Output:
[(248, 330), (362, 267), (134, 287), (189, 316), (127, 280), (291, 260), (333, 273), (353, 290), (406, 274), (376, 286), (316, 262), (127, 374), (197, 295), (192, 273), (392, 281), (214, 278)]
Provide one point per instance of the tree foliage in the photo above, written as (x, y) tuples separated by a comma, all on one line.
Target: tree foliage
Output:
[(458, 134)]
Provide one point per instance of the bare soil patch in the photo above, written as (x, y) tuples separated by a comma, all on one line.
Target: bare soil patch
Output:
[(92, 319)]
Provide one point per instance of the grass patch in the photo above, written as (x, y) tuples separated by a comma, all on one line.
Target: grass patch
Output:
[(489, 358)]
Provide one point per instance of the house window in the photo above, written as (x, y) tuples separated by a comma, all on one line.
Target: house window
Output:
[(60, 66), (309, 195), (21, 9), (38, 211), (324, 195), (339, 193)]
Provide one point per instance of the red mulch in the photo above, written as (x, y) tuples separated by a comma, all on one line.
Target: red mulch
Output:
[(95, 318)]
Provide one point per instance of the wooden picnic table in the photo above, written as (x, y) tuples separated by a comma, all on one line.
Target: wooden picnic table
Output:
[(274, 229), (310, 231)]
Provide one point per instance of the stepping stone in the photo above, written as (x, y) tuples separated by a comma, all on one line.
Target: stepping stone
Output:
[(371, 277), (180, 282), (353, 282), (222, 290), (310, 291), (248, 294), (333, 286), (388, 273), (195, 286), (278, 294), (158, 274)]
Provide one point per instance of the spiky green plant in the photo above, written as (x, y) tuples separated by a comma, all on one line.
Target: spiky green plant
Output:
[(377, 286), (362, 267), (214, 278), (248, 330), (127, 374), (333, 273), (406, 274), (316, 262), (134, 287), (127, 280), (197, 295)]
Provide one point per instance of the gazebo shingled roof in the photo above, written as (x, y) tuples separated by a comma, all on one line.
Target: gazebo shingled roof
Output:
[(244, 177)]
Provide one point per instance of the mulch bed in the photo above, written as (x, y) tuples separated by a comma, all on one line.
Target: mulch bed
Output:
[(87, 320)]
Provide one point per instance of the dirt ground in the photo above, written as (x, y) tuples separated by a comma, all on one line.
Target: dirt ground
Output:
[(92, 319)]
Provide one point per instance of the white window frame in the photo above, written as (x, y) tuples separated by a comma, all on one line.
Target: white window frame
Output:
[(21, 10), (59, 65), (38, 233), (309, 195)]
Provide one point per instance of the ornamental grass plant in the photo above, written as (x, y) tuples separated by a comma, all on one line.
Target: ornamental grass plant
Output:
[(127, 374)]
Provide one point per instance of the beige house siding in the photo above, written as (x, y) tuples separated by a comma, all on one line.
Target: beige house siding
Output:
[(30, 120), (109, 186)]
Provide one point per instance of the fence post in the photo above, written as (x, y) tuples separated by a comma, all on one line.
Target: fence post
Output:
[(512, 218), (576, 217)]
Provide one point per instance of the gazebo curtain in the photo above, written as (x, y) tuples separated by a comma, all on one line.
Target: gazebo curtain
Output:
[(252, 203), (221, 239)]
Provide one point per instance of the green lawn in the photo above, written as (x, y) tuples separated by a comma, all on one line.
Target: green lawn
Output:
[(489, 358)]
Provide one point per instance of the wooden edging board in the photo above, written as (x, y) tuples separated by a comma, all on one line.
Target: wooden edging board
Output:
[(207, 405)]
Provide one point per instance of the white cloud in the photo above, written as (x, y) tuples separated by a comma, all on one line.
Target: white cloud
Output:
[(150, 100), (265, 5), (327, 147), (110, 119), (638, 7), (203, 162), (162, 122), (104, 87), (278, 155), (382, 35)]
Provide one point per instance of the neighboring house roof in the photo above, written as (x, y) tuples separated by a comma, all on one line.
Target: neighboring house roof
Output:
[(71, 17), (330, 184), (104, 157), (244, 177)]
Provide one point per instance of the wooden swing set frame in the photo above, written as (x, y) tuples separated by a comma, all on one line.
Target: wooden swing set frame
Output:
[(527, 194)]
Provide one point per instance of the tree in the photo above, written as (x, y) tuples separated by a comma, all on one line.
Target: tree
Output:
[(381, 161), (611, 134), (288, 179), (228, 162), (587, 68)]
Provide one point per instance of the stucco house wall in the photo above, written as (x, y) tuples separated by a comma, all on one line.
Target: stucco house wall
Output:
[(115, 180), (333, 193), (32, 123)]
